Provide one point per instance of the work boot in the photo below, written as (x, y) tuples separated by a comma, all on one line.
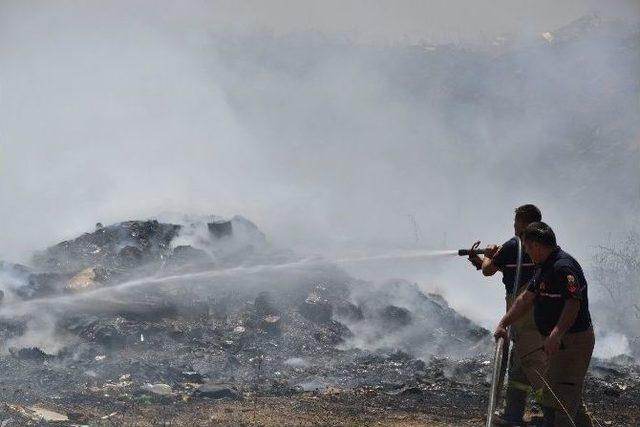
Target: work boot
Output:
[(502, 420), (583, 417), (513, 410), (536, 420)]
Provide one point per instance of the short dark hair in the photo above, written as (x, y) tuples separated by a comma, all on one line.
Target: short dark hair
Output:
[(541, 233), (529, 213)]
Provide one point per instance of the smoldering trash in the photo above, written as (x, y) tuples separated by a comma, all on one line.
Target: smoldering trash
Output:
[(198, 321)]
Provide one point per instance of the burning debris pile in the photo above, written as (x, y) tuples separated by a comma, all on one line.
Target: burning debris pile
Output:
[(147, 314)]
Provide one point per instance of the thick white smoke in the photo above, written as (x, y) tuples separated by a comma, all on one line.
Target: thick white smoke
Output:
[(330, 130)]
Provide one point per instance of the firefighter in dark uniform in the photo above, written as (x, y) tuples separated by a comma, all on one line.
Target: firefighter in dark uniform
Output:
[(558, 294), (525, 335)]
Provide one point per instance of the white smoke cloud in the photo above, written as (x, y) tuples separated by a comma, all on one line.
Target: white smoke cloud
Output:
[(328, 126)]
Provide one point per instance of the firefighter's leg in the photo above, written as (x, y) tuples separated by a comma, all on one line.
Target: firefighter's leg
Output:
[(518, 386), (566, 373), (516, 396), (582, 417), (530, 355), (518, 389)]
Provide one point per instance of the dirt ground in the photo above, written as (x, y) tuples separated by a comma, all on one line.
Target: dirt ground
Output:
[(306, 409)]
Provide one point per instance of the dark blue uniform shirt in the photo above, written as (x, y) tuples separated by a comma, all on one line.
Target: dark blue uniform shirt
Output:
[(506, 259), (553, 285)]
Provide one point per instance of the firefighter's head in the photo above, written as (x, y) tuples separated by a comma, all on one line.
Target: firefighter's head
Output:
[(539, 241), (525, 215)]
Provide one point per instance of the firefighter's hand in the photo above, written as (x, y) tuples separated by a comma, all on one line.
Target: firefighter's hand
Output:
[(552, 344), (491, 250), (501, 332), (474, 246), (474, 258)]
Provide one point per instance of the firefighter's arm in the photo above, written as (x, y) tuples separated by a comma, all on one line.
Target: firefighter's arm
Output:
[(488, 267), (485, 264), (519, 308)]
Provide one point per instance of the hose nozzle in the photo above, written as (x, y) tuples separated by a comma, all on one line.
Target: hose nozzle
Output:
[(467, 252)]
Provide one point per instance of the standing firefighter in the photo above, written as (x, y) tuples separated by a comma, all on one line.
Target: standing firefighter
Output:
[(558, 294), (525, 335)]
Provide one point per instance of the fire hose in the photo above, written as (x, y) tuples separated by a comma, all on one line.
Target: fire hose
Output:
[(502, 348), (496, 375)]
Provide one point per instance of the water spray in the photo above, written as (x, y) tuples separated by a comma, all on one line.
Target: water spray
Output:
[(107, 293)]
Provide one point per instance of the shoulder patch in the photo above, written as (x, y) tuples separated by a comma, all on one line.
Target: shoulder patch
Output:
[(572, 284)]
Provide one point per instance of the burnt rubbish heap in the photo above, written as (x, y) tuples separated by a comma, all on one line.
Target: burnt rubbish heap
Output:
[(151, 314)]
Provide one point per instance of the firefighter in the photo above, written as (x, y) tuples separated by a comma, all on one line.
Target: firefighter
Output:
[(558, 294), (525, 335)]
